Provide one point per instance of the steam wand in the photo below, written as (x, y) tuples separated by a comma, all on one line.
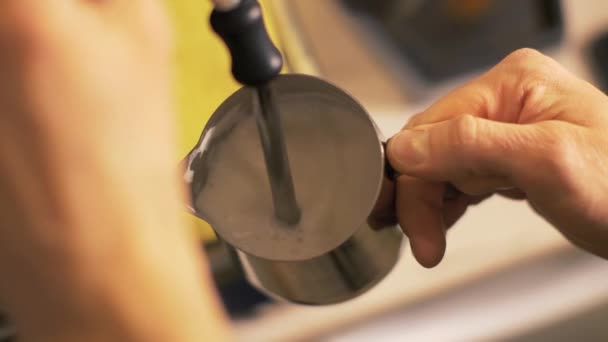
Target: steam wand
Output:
[(255, 62)]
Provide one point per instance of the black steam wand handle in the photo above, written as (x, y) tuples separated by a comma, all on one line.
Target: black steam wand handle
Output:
[(255, 58)]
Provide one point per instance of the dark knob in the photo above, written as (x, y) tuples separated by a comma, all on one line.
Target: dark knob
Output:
[(255, 59)]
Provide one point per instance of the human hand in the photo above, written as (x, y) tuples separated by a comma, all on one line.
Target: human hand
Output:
[(92, 245), (527, 128)]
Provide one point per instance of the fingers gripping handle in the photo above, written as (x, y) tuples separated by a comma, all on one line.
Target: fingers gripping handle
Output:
[(450, 192)]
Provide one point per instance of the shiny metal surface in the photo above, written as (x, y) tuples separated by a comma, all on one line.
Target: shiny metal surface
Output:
[(341, 274), (277, 162), (346, 239)]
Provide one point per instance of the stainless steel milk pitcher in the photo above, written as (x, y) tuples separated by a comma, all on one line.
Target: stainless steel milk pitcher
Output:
[(347, 239)]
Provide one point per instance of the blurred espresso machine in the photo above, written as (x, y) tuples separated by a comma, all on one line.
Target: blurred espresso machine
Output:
[(445, 38)]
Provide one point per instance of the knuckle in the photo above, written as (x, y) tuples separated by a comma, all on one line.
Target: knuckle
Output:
[(524, 56), (562, 159), (529, 64), (530, 74), (464, 133)]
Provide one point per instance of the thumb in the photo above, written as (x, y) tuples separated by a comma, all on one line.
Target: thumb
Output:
[(477, 153)]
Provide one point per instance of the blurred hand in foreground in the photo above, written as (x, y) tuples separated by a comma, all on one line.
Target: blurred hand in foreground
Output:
[(92, 246)]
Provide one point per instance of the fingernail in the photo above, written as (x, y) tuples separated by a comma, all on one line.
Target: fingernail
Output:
[(410, 147)]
